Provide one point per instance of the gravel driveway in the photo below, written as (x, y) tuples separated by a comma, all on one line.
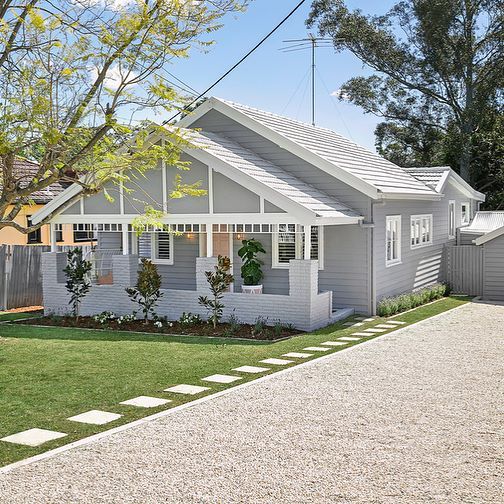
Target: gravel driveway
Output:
[(410, 417)]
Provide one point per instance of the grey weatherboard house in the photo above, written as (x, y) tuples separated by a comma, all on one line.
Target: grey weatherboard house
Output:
[(342, 226)]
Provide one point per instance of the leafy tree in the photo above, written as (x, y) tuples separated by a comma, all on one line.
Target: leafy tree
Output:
[(77, 275), (72, 75), (219, 281), (147, 290), (438, 72), (251, 271)]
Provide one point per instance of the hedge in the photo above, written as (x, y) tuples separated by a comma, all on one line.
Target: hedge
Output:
[(397, 304)]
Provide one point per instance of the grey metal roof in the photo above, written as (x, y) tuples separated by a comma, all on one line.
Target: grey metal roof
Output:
[(341, 152), (429, 176), (485, 222), (268, 174)]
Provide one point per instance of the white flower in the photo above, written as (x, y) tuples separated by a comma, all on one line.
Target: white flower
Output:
[(158, 324)]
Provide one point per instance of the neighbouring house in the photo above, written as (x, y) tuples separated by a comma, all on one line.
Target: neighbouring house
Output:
[(342, 227), (65, 234)]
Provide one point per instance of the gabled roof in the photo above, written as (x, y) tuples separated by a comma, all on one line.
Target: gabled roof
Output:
[(24, 172), (438, 176), (489, 236), (484, 222), (267, 174), (349, 162)]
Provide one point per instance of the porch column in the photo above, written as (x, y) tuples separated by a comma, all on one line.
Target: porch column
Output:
[(209, 241), (52, 237), (307, 242), (125, 239)]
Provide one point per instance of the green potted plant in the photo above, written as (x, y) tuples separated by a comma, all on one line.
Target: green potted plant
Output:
[(251, 271)]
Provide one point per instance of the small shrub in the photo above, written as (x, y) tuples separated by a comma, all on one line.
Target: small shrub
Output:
[(259, 326), (190, 319), (105, 317), (390, 306), (234, 324), (278, 328), (77, 274), (146, 292), (124, 319), (219, 281)]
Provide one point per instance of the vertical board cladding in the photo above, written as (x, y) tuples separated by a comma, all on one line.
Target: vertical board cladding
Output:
[(275, 281), (419, 267), (464, 271), (216, 122), (493, 275), (346, 267)]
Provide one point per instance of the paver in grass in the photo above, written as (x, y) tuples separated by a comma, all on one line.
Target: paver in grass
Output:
[(385, 326), (251, 369), (187, 389), (376, 331), (95, 417), (277, 362), (365, 319), (349, 338), (316, 349), (145, 402), (298, 355), (395, 322), (354, 324), (333, 343), (33, 437), (221, 378), (360, 334)]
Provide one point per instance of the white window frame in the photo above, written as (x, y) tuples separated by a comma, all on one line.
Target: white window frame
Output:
[(299, 252), (154, 249), (452, 221), (467, 220), (396, 260), (421, 241)]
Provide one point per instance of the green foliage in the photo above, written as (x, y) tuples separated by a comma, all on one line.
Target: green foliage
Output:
[(438, 68), (251, 268), (190, 319), (73, 76), (260, 325), (146, 292), (397, 304), (219, 281), (77, 278)]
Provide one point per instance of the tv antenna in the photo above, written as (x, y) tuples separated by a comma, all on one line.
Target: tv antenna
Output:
[(312, 43)]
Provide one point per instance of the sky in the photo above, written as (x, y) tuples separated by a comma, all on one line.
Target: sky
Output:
[(276, 81)]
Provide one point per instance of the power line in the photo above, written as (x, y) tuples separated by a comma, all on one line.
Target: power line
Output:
[(239, 62)]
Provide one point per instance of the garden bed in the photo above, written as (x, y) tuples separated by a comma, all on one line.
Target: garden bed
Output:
[(258, 331)]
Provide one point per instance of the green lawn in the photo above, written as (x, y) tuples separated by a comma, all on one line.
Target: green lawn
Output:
[(49, 374)]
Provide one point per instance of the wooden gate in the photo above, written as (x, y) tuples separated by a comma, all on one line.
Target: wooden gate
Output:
[(465, 269)]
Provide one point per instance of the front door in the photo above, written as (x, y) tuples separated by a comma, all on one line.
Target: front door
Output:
[(222, 246)]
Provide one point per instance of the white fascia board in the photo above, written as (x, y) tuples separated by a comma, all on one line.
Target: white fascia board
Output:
[(284, 143), (57, 203), (220, 218), (442, 182), (193, 116), (337, 221), (412, 196), (489, 236)]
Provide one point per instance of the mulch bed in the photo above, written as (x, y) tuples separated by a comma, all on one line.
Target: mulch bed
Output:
[(245, 331)]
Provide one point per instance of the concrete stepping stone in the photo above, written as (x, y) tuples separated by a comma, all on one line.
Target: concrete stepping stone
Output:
[(95, 417), (221, 378), (145, 402), (349, 338), (251, 369), (298, 355), (187, 389), (395, 322), (277, 362), (316, 349), (361, 334), (376, 331), (386, 326), (333, 343), (354, 324), (33, 437), (365, 319)]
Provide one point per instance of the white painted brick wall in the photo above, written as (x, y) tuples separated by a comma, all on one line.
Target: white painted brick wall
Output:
[(304, 307)]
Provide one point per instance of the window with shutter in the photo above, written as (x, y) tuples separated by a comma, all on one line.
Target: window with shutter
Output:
[(288, 243), (162, 248)]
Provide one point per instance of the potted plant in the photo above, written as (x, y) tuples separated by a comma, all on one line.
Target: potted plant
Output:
[(251, 271)]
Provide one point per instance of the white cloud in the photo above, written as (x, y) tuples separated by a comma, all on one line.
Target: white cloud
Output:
[(114, 77), (338, 93)]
